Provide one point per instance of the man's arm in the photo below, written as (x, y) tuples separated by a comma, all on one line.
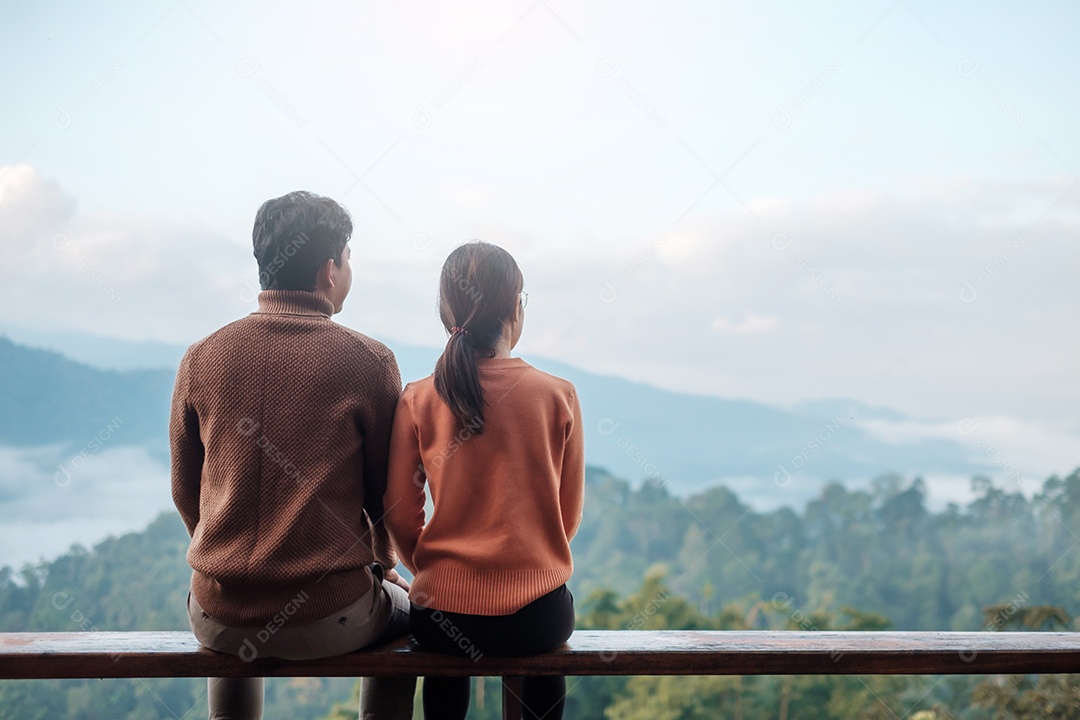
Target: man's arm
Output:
[(186, 448), (405, 495), (379, 423)]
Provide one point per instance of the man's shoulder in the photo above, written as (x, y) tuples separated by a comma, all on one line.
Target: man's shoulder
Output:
[(344, 341), (364, 346), (222, 336)]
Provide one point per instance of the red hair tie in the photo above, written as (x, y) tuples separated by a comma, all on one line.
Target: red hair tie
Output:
[(455, 330)]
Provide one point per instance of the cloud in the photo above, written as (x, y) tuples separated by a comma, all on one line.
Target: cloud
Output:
[(750, 325), (124, 275), (940, 302), (30, 208), (1021, 453), (21, 186), (954, 299), (43, 514), (471, 196)]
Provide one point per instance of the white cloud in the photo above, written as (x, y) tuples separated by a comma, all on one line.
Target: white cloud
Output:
[(874, 296), (1021, 453), (31, 208), (468, 195), (124, 275), (875, 293), (22, 187), (749, 325), (118, 490)]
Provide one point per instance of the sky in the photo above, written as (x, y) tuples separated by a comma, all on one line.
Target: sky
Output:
[(779, 201)]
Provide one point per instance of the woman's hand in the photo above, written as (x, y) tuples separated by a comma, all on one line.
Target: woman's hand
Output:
[(390, 575)]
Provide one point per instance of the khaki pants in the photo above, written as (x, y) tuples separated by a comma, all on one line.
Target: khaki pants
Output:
[(382, 613)]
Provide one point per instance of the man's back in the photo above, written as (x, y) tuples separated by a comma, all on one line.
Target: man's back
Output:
[(280, 431), (280, 434)]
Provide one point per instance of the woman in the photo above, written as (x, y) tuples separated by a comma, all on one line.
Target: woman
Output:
[(500, 444)]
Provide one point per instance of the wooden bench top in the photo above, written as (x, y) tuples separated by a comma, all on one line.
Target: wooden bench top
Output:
[(178, 654)]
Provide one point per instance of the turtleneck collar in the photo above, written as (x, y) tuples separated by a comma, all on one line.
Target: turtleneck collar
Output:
[(293, 302)]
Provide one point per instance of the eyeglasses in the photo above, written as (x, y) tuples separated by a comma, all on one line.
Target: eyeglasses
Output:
[(524, 299)]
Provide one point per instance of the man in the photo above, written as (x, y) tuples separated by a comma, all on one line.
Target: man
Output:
[(280, 434)]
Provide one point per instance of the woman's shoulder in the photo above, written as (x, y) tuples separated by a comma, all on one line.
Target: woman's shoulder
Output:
[(560, 383), (419, 388), (538, 377)]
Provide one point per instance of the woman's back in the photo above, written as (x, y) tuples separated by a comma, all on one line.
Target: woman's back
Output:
[(500, 446), (506, 502)]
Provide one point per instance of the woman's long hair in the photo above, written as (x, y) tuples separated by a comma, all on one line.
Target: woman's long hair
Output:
[(479, 290)]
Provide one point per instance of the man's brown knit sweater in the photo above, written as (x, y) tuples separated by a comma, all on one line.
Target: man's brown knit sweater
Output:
[(280, 436)]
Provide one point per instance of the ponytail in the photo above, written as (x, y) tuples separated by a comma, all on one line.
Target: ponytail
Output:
[(478, 289), (458, 383)]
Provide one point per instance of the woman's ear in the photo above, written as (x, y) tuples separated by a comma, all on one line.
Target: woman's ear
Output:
[(514, 325)]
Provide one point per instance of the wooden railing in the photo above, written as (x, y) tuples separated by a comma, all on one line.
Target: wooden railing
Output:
[(178, 654)]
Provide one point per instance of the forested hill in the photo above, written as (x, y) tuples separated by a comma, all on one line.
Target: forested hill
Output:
[(879, 556), (880, 550)]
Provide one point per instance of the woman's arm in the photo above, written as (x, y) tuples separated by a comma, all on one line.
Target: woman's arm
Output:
[(404, 499), (572, 482)]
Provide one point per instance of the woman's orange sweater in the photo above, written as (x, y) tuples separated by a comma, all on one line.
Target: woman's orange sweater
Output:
[(505, 503)]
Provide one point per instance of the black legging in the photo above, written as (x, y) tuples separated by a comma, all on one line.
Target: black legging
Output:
[(539, 627)]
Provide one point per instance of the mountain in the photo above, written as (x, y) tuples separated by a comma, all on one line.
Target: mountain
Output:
[(49, 399), (100, 352), (682, 441), (688, 442), (851, 409)]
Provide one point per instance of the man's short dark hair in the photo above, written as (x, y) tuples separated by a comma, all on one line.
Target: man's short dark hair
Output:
[(294, 236)]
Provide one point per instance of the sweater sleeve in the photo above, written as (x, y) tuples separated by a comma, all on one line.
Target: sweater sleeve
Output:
[(377, 425), (186, 448), (405, 495), (572, 482)]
